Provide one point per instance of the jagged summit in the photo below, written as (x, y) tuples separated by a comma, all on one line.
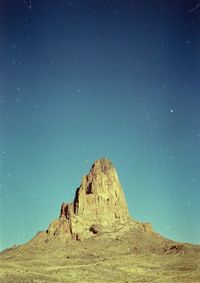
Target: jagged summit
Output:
[(103, 165), (99, 205)]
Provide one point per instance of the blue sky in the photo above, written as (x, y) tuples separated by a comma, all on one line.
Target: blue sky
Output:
[(84, 79)]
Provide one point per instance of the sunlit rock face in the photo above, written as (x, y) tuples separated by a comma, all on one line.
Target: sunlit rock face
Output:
[(99, 205)]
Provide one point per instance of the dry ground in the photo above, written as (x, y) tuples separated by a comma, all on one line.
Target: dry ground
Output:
[(127, 268), (115, 259)]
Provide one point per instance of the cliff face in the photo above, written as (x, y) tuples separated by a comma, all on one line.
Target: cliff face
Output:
[(99, 205)]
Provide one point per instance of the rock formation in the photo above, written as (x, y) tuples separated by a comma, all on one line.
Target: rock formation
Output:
[(99, 205), (116, 248)]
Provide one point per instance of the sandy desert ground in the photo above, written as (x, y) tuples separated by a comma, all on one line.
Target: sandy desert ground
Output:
[(115, 259), (127, 268)]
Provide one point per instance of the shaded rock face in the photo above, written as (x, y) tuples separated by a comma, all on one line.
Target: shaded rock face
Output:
[(99, 205)]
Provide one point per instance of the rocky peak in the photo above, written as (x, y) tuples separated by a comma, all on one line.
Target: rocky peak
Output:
[(99, 202), (103, 165), (100, 191)]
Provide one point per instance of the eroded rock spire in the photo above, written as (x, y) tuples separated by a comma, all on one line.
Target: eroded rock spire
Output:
[(99, 205)]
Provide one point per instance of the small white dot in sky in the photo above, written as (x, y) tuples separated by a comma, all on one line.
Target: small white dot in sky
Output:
[(168, 227), (171, 110)]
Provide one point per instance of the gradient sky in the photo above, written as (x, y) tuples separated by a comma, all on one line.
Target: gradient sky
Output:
[(84, 79)]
